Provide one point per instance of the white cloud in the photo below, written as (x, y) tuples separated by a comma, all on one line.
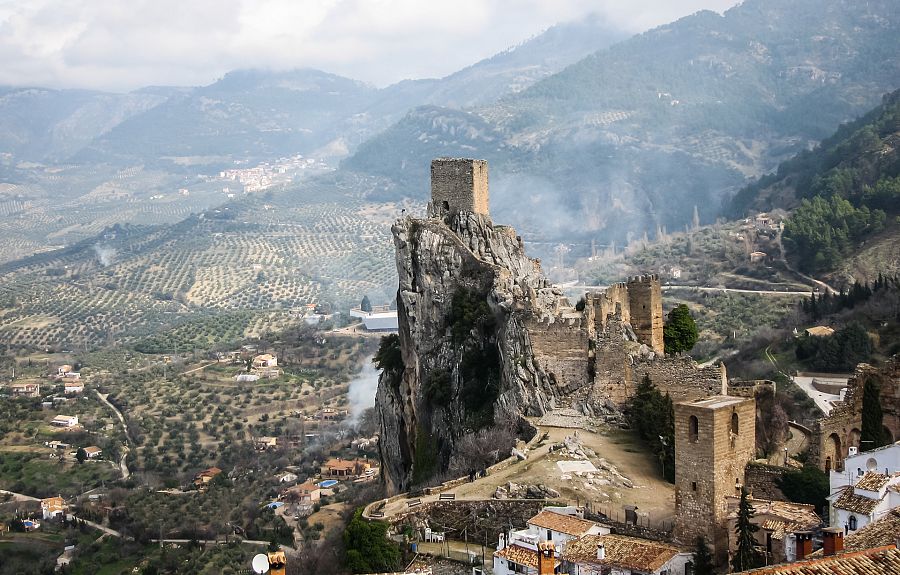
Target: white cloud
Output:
[(124, 44)]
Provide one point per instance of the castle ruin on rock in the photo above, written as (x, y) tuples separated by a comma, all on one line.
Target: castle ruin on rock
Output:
[(485, 337)]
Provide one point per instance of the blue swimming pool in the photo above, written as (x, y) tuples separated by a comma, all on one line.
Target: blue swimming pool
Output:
[(328, 483)]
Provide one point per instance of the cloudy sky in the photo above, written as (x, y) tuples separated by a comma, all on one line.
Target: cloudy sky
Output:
[(124, 44)]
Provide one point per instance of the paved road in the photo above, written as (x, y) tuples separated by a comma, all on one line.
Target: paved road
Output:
[(672, 287), (126, 473)]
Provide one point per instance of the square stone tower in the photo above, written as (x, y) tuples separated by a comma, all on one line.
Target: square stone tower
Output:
[(645, 306), (458, 185), (715, 438)]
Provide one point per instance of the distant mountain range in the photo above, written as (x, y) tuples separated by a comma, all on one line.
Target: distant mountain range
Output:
[(254, 115), (639, 133)]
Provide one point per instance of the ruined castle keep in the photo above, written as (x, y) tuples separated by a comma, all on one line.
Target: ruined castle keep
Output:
[(484, 336), (715, 438)]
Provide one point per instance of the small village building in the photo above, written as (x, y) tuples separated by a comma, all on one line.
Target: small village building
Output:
[(873, 496), (266, 442), (65, 421), (287, 477), (73, 387), (756, 257), (622, 555), (246, 377), (875, 561), (883, 532), (53, 507), (202, 479), (819, 331), (307, 492), (778, 521), (561, 525), (265, 360), (58, 445), (93, 452), (25, 389), (867, 488), (344, 468), (63, 370)]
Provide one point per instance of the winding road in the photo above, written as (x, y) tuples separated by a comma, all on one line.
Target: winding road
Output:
[(123, 466)]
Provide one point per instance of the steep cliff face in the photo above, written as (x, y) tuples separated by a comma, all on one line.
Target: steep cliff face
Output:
[(466, 291)]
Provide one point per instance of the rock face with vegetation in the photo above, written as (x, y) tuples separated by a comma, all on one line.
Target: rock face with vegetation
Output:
[(466, 288)]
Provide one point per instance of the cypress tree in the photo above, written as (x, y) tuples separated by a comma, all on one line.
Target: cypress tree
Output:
[(746, 556), (703, 564), (872, 435)]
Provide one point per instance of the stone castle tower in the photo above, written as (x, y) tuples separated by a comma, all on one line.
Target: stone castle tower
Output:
[(715, 438), (458, 185), (645, 306)]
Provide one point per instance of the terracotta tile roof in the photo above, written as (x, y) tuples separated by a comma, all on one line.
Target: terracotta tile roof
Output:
[(53, 504), (521, 555), (875, 534), (779, 517), (624, 552), (92, 449), (850, 501), (560, 523), (877, 561), (872, 481)]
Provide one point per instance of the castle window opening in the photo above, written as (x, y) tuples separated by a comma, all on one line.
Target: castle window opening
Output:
[(549, 535), (852, 523), (734, 423), (693, 486), (446, 205), (693, 429)]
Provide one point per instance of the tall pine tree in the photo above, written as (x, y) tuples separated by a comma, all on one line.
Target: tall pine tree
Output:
[(746, 556)]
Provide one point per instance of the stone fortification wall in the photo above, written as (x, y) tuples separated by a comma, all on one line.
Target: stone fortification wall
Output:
[(680, 377), (560, 348), (482, 520), (459, 185), (833, 435), (613, 301), (645, 305), (762, 481), (750, 388)]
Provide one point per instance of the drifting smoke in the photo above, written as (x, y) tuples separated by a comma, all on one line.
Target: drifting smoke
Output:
[(362, 391), (105, 254)]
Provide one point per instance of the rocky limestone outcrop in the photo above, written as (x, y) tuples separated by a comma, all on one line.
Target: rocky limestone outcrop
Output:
[(466, 291)]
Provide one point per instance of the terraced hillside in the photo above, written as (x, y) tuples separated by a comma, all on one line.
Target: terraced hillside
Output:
[(241, 269)]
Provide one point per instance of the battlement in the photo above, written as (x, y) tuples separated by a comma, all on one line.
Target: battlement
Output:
[(458, 185)]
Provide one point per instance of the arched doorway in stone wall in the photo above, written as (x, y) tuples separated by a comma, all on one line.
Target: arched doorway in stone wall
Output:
[(853, 438), (832, 453)]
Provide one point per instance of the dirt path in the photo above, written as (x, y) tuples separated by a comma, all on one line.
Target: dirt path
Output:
[(123, 466)]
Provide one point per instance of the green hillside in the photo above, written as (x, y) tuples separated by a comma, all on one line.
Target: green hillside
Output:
[(637, 134)]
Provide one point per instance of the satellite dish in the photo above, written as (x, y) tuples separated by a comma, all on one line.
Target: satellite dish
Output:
[(260, 563)]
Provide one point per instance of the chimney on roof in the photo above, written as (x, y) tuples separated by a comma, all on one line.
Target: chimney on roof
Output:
[(601, 551), (833, 540), (546, 562), (804, 544), (501, 542)]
